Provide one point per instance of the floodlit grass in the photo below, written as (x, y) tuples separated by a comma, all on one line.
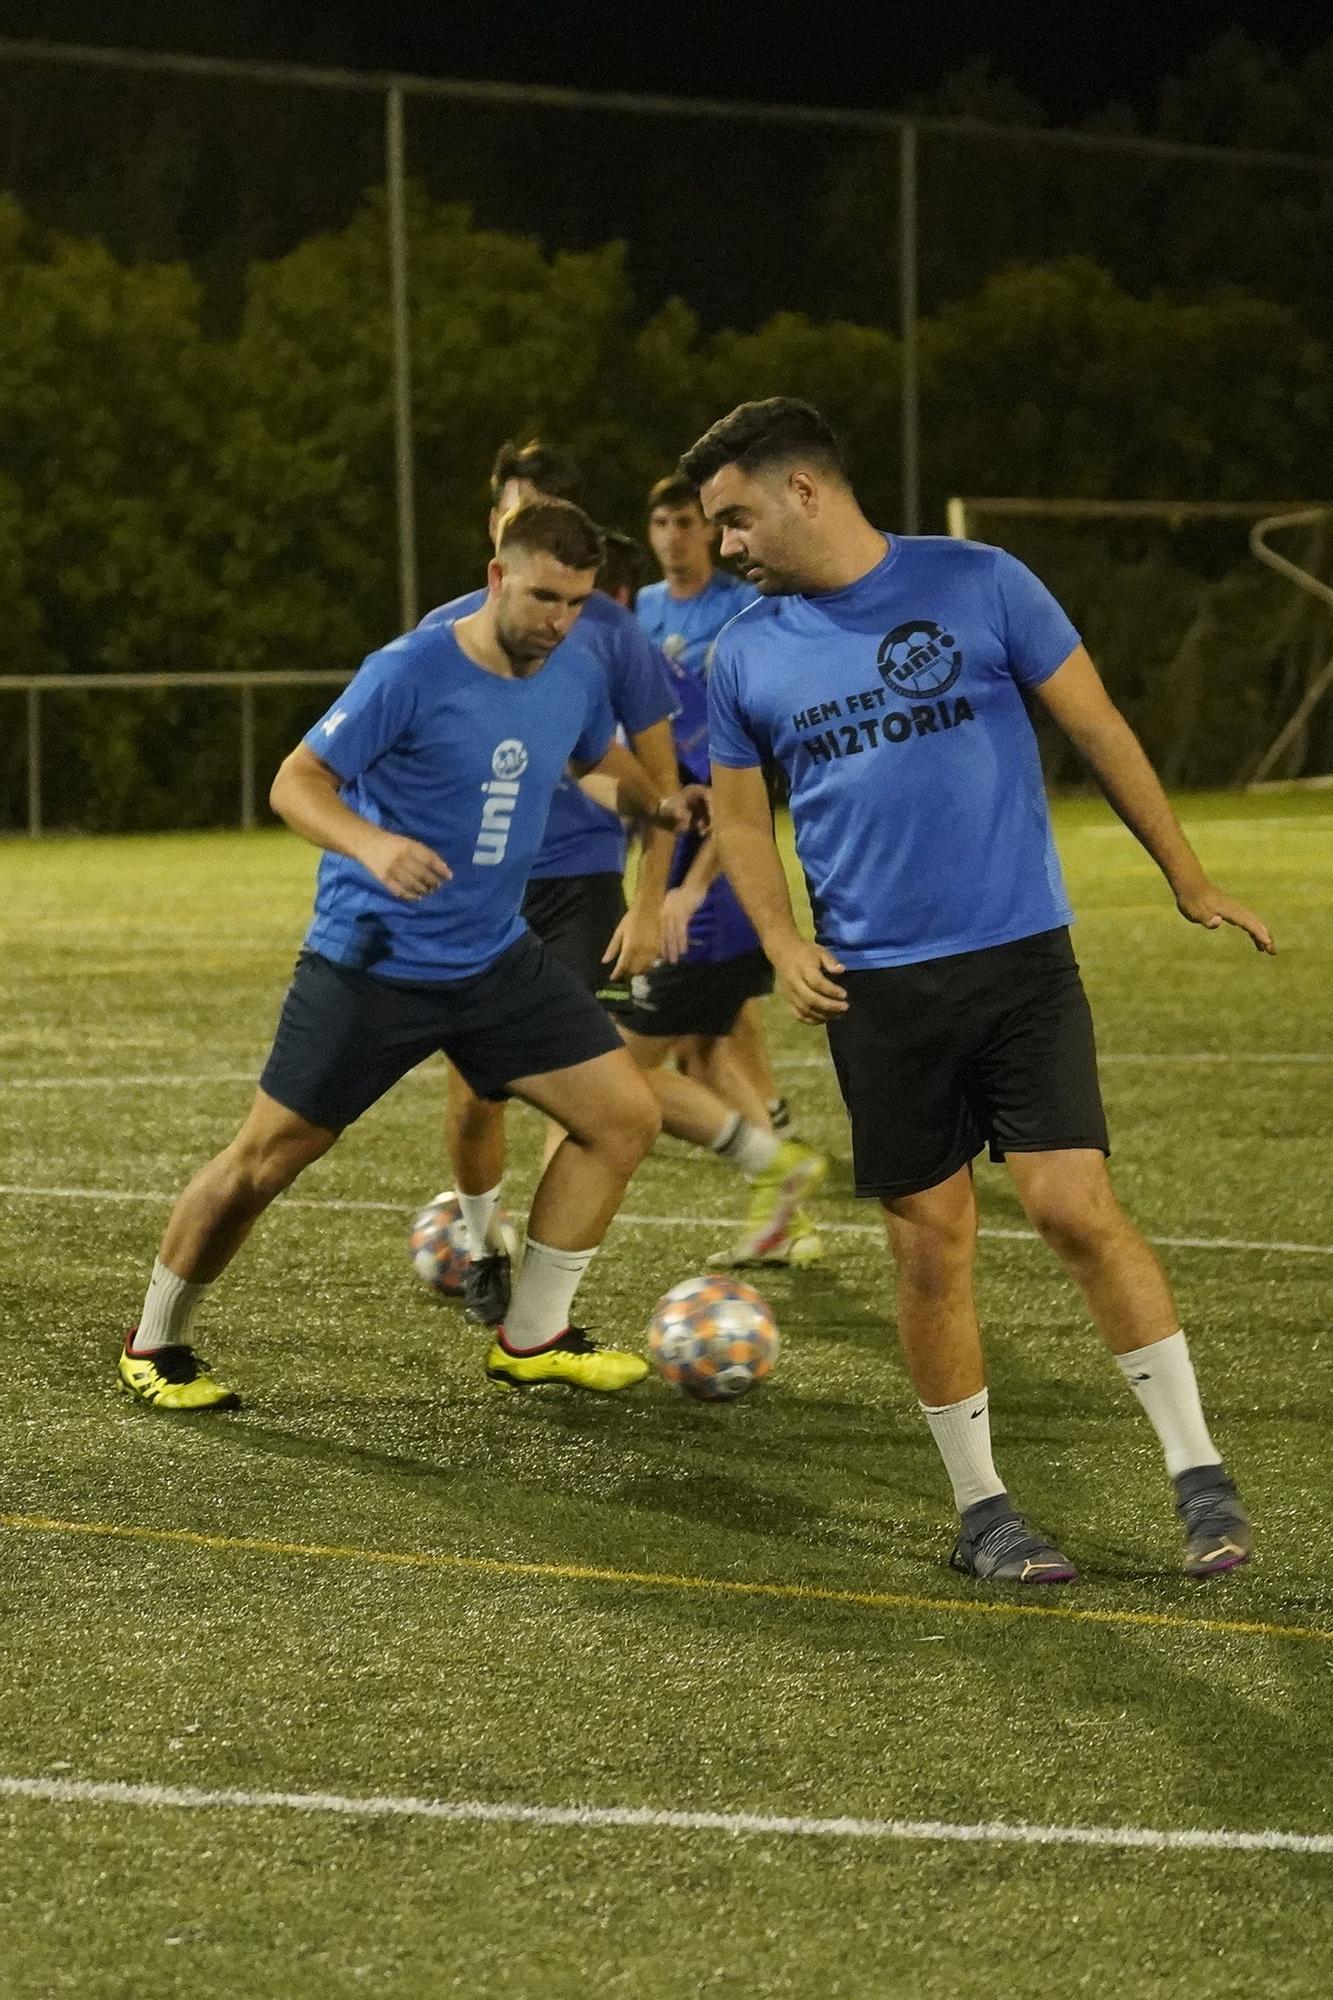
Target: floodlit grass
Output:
[(142, 978)]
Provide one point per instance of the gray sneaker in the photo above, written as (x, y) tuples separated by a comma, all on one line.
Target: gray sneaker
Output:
[(486, 1284), (996, 1543), (1218, 1536)]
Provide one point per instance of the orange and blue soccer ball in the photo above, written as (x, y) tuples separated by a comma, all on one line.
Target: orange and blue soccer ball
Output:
[(713, 1338), (439, 1243)]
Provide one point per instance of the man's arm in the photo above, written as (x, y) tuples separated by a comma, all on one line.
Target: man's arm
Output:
[(743, 826), (637, 941), (680, 904), (1076, 698), (305, 794)]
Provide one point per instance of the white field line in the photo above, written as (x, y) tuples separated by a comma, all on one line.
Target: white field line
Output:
[(78, 1791), (337, 1205), (429, 1071)]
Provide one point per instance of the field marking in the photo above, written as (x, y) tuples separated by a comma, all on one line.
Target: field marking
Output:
[(340, 1205), (84, 1791), (430, 1072), (803, 1593)]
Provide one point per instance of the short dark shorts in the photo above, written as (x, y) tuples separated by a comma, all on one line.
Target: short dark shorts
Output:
[(939, 1059), (694, 999), (574, 916), (344, 1038)]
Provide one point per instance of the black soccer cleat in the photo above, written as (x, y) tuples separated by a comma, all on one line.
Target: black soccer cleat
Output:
[(996, 1544), (486, 1287), (1218, 1536)]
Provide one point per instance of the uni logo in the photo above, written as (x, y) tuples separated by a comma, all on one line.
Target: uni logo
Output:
[(509, 760)]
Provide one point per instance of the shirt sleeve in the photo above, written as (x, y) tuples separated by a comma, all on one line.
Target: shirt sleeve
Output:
[(1038, 634), (731, 733), (599, 725), (372, 713), (642, 694)]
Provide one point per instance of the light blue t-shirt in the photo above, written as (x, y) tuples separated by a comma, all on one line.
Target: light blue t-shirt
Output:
[(581, 837), (686, 627), (896, 708), (433, 746)]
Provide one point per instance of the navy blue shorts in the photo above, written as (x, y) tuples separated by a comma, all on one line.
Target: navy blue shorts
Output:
[(345, 1037), (939, 1059)]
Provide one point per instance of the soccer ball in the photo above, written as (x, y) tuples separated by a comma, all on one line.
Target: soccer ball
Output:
[(713, 1338), (439, 1243)]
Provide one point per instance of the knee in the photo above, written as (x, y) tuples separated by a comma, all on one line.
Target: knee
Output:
[(263, 1166), (1080, 1222), (933, 1251), (629, 1131)]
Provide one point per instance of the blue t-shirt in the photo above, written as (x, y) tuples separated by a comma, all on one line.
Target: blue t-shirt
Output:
[(686, 627), (583, 838), (896, 708), (719, 929), (433, 746)]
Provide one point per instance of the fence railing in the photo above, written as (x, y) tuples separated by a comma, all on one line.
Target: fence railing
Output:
[(34, 686)]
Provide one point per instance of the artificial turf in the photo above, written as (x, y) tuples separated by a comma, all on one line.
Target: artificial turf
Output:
[(141, 980)]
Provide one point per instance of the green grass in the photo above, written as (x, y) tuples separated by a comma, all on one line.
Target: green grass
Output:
[(367, 1425)]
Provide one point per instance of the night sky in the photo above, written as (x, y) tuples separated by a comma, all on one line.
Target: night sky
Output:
[(1071, 60)]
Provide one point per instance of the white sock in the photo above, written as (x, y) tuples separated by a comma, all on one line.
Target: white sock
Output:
[(543, 1293), (1162, 1377), (962, 1432), (746, 1146), (478, 1211), (168, 1308)]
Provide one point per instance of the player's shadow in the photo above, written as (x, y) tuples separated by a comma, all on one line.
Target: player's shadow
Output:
[(253, 1436)]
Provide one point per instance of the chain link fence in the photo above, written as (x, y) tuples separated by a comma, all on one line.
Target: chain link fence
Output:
[(265, 327)]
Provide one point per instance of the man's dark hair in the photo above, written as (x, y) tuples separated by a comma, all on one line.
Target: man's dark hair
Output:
[(772, 432), (673, 491), (623, 564), (554, 476), (555, 528)]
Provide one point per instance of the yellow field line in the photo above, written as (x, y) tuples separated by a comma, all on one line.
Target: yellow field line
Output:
[(873, 1600)]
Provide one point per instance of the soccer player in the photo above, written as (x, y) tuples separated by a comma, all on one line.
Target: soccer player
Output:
[(428, 783), (712, 964), (683, 614), (574, 901), (889, 677), (573, 904)]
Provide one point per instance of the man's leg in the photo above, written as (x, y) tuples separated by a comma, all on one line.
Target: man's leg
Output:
[(610, 1119), (1070, 1202), (713, 1061), (781, 1172), (933, 1237), (208, 1225)]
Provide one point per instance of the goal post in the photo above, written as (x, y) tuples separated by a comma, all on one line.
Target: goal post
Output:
[(1222, 666)]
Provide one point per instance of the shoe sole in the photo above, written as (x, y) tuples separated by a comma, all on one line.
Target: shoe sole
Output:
[(1200, 1573), (502, 1380)]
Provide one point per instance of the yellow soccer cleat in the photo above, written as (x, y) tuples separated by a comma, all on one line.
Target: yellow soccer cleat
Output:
[(573, 1360), (770, 1233), (173, 1378)]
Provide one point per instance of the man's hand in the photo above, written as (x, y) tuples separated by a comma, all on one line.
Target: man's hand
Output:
[(685, 811), (1209, 906), (803, 970), (635, 944), (678, 906), (408, 869)]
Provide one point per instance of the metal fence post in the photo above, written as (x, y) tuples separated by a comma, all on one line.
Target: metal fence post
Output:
[(247, 755), (402, 357), (907, 319), (34, 763)]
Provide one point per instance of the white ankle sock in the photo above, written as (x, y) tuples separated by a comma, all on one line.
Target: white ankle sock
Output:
[(746, 1146), (1162, 1377), (478, 1212), (962, 1432), (168, 1308), (543, 1293)]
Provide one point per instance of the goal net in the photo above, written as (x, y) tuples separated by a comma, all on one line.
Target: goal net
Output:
[(1211, 621)]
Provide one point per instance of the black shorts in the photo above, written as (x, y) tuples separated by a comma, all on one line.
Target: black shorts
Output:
[(939, 1059), (574, 916), (344, 1037), (694, 999)]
